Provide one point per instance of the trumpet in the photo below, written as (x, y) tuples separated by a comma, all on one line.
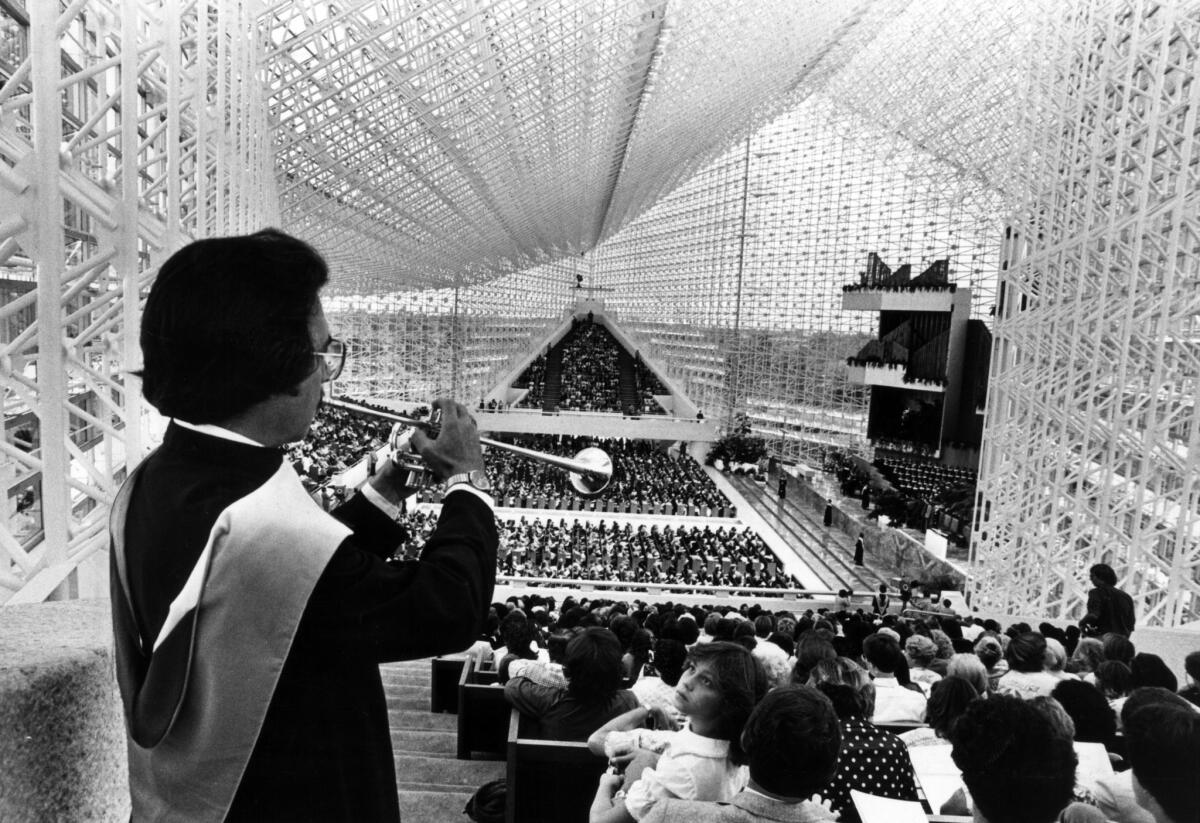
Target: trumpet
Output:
[(589, 472)]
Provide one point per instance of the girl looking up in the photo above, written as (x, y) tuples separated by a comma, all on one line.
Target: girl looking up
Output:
[(721, 684)]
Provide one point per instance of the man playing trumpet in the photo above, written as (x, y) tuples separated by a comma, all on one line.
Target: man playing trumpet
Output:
[(250, 624)]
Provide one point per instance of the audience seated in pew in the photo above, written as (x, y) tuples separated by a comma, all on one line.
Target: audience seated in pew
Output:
[(871, 760), (948, 699), (645, 474), (818, 637), (791, 743), (719, 687), (592, 667), (1016, 766), (1164, 754), (893, 701)]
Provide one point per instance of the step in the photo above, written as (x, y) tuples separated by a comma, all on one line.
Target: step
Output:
[(434, 807), (400, 702), (421, 665), (440, 774), (403, 678), (427, 742), (422, 720)]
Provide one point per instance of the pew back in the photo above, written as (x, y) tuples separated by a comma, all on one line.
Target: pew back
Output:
[(482, 713), (549, 781)]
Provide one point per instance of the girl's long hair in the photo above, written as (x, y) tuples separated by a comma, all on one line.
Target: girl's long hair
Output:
[(742, 682)]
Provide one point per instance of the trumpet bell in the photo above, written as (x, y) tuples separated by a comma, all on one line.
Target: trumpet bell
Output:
[(597, 479)]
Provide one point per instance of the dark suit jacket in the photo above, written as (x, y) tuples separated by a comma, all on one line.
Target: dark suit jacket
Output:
[(324, 752), (1110, 610)]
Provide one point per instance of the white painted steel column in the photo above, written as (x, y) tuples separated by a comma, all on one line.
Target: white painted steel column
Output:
[(46, 68), (127, 253)]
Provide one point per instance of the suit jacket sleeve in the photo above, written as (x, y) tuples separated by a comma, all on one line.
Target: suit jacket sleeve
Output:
[(396, 611), (1095, 604)]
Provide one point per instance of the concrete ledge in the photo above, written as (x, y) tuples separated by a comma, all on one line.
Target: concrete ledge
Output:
[(62, 736)]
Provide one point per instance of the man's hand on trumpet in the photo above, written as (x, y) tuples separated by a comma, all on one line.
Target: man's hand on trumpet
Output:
[(455, 449)]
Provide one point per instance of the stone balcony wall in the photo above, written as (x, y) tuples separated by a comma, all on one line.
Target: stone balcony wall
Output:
[(62, 737)]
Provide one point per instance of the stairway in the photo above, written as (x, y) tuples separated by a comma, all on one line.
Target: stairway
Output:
[(434, 786), (627, 386), (552, 391)]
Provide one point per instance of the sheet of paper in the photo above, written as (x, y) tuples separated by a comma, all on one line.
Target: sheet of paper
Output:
[(936, 773), (874, 809)]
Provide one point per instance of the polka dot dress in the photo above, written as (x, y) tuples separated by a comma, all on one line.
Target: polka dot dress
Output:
[(872, 761)]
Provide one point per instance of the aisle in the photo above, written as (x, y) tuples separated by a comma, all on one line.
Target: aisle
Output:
[(792, 563)]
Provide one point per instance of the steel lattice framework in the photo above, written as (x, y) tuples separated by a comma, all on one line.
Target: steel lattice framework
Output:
[(1092, 428), (715, 171), (125, 129), (750, 255)]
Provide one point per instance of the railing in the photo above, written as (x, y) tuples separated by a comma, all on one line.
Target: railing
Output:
[(677, 588)]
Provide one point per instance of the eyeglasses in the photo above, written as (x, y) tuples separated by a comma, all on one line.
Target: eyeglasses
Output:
[(334, 358)]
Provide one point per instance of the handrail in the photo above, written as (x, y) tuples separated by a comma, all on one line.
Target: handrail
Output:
[(691, 588)]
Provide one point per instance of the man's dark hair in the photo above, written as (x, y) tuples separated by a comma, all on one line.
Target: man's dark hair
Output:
[(623, 627), (764, 624), (1104, 574), (1191, 665), (741, 681), (883, 653), (1150, 670), (1163, 740), (593, 664), (792, 741), (688, 631), (1026, 652), (226, 324), (669, 657), (848, 703), (948, 699), (1015, 765), (811, 648), (1113, 678), (556, 646), (1094, 719)]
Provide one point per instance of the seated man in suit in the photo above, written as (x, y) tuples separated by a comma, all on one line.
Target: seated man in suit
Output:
[(792, 740)]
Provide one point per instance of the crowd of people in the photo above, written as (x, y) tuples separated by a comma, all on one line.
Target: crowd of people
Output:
[(910, 497), (590, 369), (591, 375), (534, 379), (763, 710), (737, 558), (645, 478), (337, 440), (646, 386)]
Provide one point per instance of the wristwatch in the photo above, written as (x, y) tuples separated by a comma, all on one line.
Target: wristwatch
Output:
[(477, 478)]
